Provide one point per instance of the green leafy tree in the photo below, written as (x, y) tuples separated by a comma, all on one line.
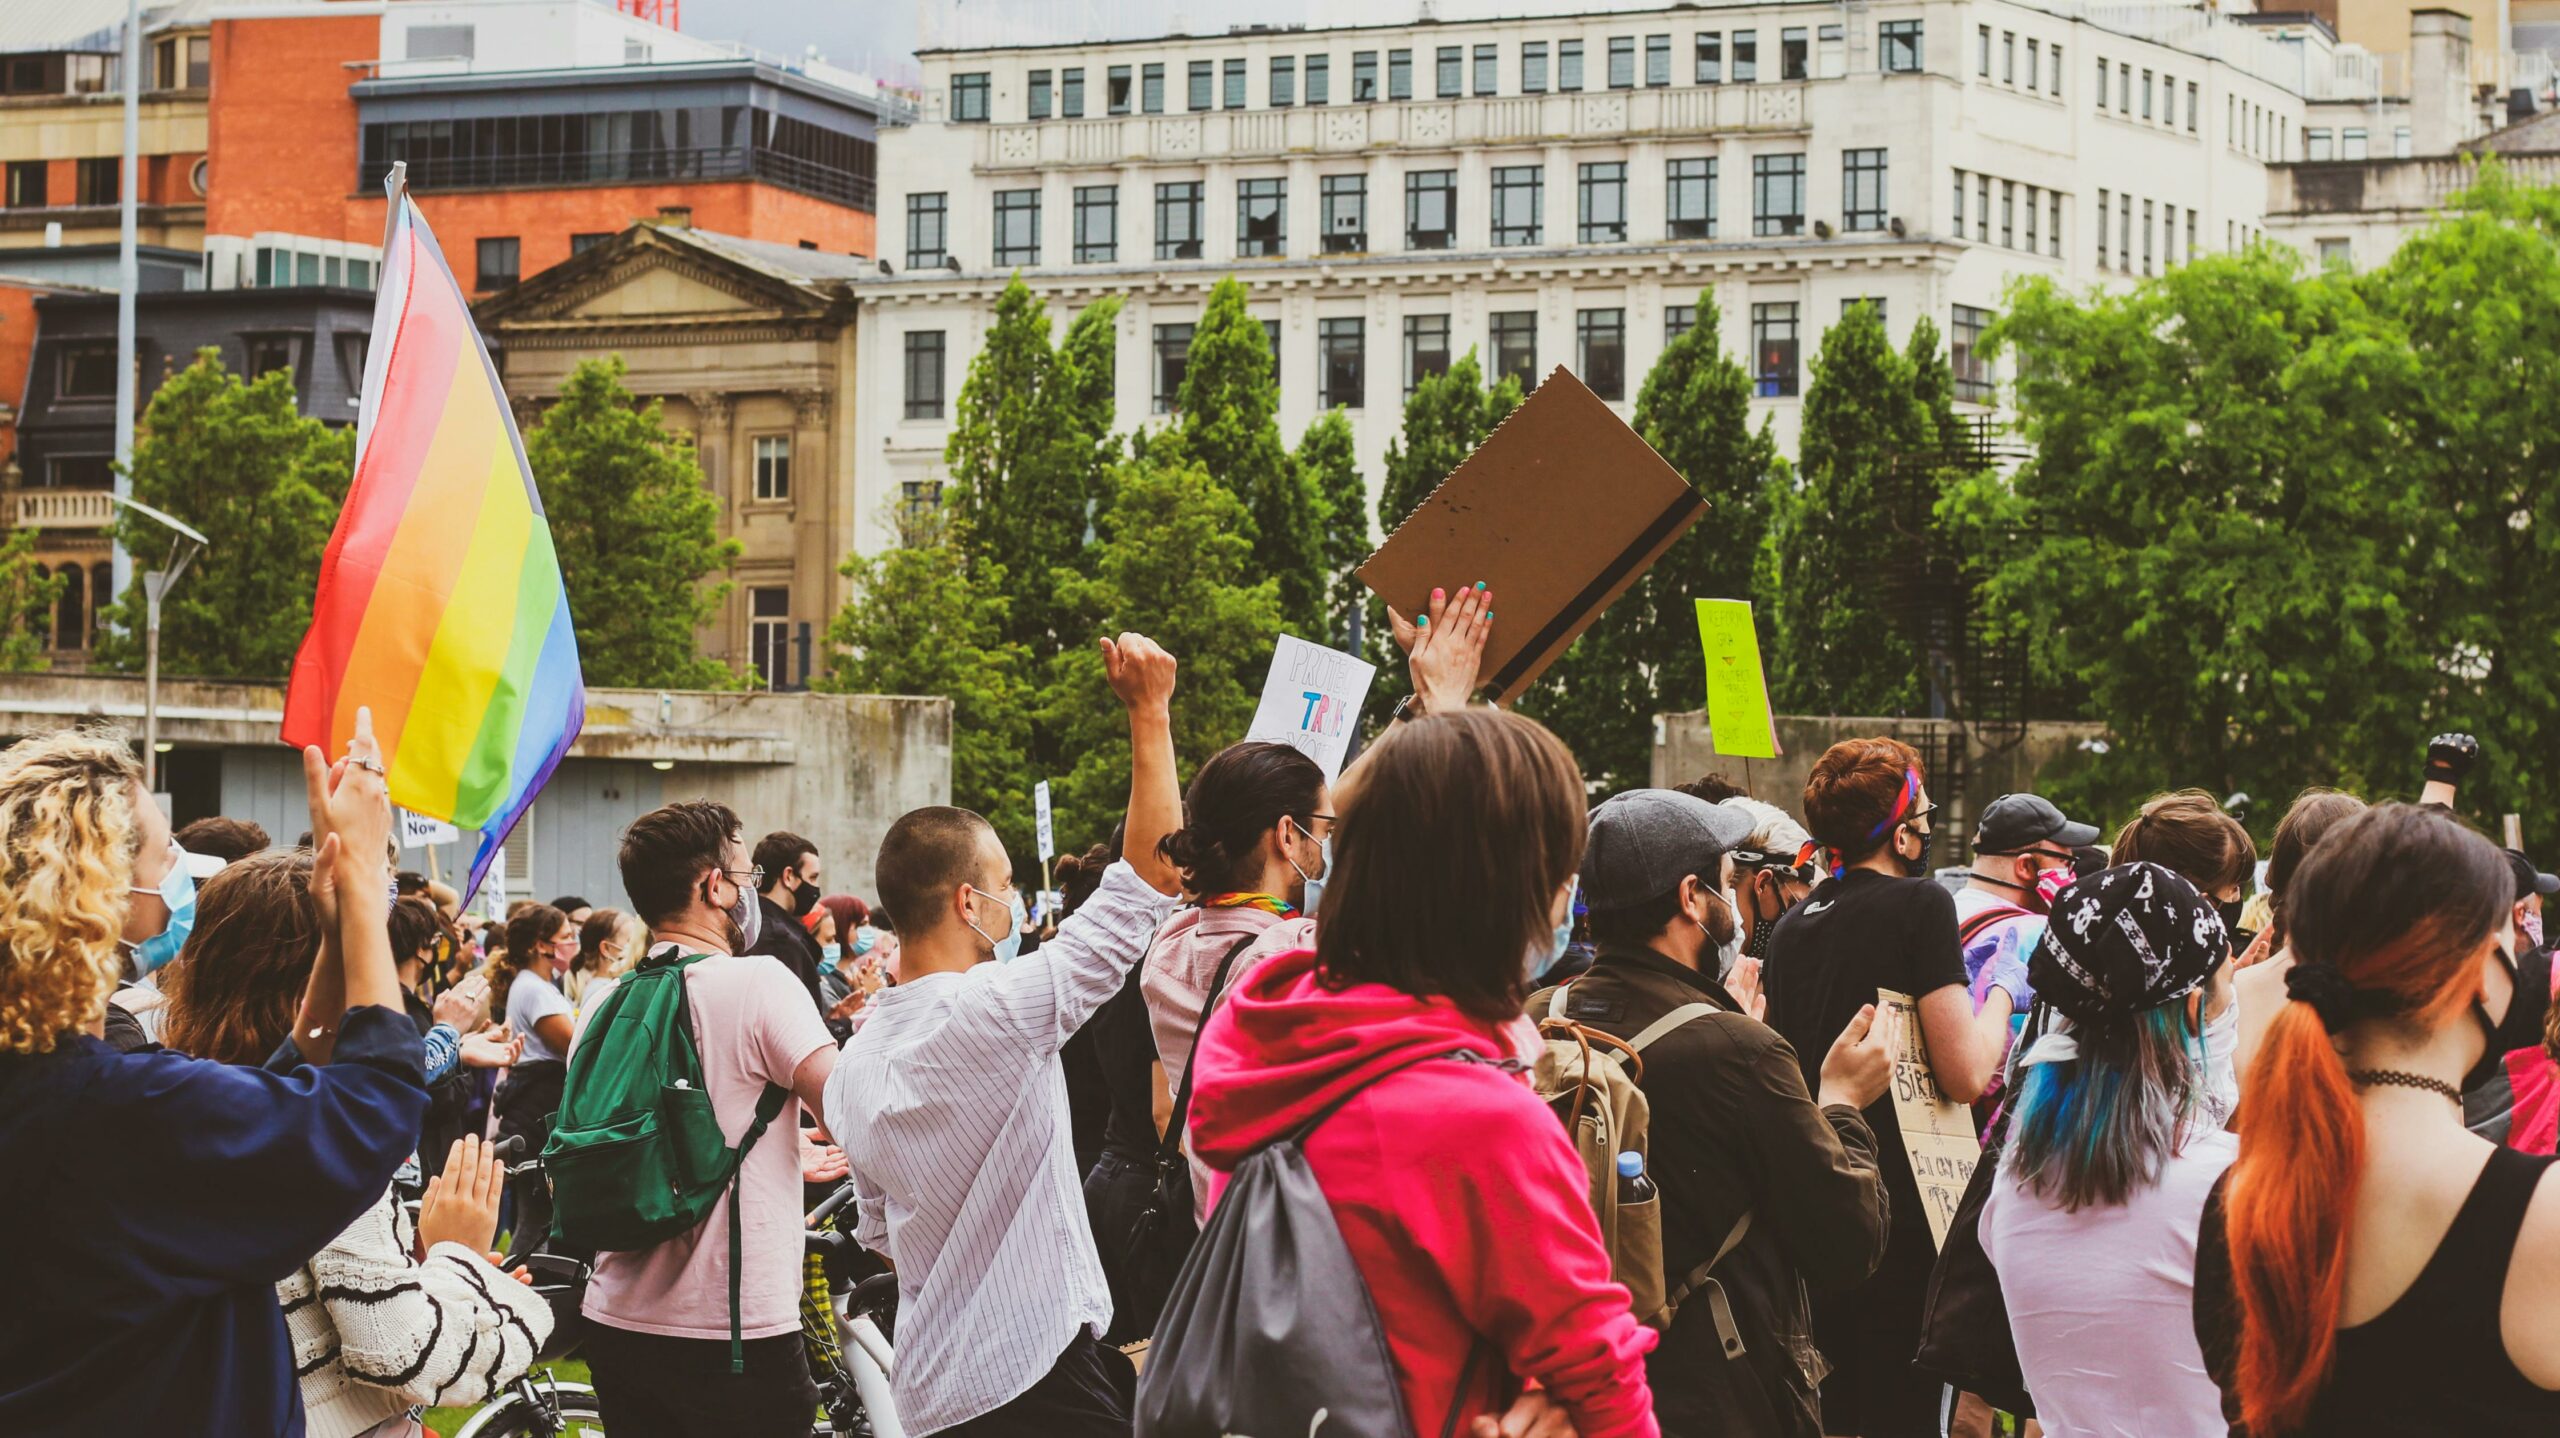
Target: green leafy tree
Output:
[(1642, 657), (239, 463), (926, 618), (1228, 423), (1838, 650), (637, 532), (1176, 566), (1933, 382), (1328, 456), (27, 597)]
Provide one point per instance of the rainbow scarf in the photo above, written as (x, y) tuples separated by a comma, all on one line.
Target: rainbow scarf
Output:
[(1267, 903), (440, 603)]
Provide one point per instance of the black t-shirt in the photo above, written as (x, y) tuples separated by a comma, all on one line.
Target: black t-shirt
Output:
[(1124, 1047), (1850, 937)]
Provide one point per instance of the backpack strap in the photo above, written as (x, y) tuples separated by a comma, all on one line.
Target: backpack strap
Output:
[(1997, 913), (1299, 1134), (769, 1106), (1169, 1145), (1728, 1332), (1680, 1017)]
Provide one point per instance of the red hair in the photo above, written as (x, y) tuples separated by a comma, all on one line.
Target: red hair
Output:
[(2398, 899), (1851, 795)]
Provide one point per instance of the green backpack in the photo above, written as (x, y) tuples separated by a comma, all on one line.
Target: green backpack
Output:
[(636, 1155)]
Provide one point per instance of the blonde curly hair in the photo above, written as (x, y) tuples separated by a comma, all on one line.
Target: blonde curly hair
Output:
[(67, 818)]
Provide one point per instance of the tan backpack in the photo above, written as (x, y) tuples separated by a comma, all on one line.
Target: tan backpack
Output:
[(1591, 1080)]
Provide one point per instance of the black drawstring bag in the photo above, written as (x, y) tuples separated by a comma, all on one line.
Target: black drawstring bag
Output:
[(1964, 1320), (1270, 1328)]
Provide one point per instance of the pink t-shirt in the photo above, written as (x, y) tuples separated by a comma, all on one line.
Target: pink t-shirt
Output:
[(755, 1026)]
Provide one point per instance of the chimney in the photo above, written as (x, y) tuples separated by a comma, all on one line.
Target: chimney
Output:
[(680, 217), (2440, 105)]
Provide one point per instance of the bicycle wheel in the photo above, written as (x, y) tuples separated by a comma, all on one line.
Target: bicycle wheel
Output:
[(573, 1412)]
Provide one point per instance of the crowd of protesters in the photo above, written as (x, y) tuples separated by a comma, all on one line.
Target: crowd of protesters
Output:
[(1600, 1099)]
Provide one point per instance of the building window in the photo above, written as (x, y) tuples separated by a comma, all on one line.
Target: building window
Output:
[(1690, 199), (928, 230), (2191, 107), (2191, 234), (1231, 95), (2102, 82), (924, 374), (1710, 58), (1319, 79), (99, 181), (2124, 89), (2316, 145), (1982, 208), (2146, 235), (1426, 349), (1364, 76), (2124, 231), (1515, 347), (2053, 225), (1173, 361), (1204, 79), (1902, 53), (1777, 195), (969, 98), (1271, 344), (1284, 81), (1262, 208), (1657, 60), (1677, 320), (1773, 350), (2146, 94), (1601, 202), (1964, 354), (1746, 56), (1533, 68), (2337, 255), (769, 634), (1519, 204), (2401, 146), (1600, 351), (1872, 302), (269, 353), (1399, 74), (1338, 363), (579, 244), (2351, 144), (1488, 63), (1622, 62), (1037, 106), (1982, 51), (27, 184), (88, 372), (2008, 57), (81, 471), (1449, 71), (2008, 215), (1071, 94), (2053, 74), (1151, 89), (1862, 189), (1178, 220), (1097, 237), (1017, 228), (2032, 207), (773, 463), (1430, 209), (1116, 90), (2102, 229), (1568, 64), (1795, 55), (1344, 200), (501, 264), (2035, 65)]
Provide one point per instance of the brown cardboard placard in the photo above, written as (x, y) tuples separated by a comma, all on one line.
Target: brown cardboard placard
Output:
[(1559, 511)]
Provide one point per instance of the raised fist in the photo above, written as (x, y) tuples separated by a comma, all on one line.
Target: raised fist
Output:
[(2450, 757)]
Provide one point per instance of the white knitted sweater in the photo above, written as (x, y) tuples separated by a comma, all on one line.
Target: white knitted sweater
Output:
[(376, 1332)]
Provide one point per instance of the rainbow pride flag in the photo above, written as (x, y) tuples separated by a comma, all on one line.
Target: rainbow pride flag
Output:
[(440, 601)]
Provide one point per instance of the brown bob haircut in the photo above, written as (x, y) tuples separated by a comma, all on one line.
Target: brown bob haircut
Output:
[(2187, 833), (1453, 836), (234, 990), (1850, 795)]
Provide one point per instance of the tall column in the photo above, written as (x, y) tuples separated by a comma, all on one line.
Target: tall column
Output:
[(812, 518)]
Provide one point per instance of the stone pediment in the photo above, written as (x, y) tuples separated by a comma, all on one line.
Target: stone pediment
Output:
[(647, 277)]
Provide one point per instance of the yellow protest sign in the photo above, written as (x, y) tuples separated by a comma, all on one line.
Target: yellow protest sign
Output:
[(1738, 719)]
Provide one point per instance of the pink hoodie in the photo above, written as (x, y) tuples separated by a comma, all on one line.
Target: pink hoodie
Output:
[(1178, 969), (1454, 1187)]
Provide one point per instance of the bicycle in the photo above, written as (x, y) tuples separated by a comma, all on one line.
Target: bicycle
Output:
[(541, 1405)]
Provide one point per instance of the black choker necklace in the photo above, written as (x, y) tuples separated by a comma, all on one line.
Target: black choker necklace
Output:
[(2405, 1080)]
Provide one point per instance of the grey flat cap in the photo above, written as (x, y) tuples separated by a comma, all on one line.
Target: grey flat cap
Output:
[(1645, 841)]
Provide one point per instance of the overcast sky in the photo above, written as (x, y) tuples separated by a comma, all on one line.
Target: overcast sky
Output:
[(881, 36)]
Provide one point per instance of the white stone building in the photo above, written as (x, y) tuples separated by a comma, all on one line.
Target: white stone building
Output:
[(1556, 191)]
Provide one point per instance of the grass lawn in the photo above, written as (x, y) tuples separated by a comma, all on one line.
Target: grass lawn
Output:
[(445, 1422)]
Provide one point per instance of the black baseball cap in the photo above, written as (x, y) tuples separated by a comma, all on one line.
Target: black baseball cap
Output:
[(2015, 823), (2530, 880)]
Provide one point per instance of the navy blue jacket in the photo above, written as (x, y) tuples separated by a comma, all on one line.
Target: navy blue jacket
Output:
[(149, 1204)]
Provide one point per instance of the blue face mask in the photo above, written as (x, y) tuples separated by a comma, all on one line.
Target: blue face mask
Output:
[(833, 952), (1539, 958), (863, 940), (178, 892), (1315, 883), (1015, 917)]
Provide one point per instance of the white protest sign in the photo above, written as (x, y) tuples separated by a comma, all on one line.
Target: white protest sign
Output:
[(1312, 701), (1040, 821), (493, 885), (417, 831), (1937, 1131)]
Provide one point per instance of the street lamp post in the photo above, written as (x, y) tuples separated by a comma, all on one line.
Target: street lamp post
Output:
[(184, 545)]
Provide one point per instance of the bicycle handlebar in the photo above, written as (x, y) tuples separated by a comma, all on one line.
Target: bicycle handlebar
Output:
[(828, 1206)]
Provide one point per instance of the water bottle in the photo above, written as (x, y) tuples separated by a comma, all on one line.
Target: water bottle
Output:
[(1633, 1186)]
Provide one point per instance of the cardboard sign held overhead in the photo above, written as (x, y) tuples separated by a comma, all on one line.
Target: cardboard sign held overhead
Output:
[(1559, 510)]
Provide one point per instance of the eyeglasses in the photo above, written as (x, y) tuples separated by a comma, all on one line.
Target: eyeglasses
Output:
[(754, 877)]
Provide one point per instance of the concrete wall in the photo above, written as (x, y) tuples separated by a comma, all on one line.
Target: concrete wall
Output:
[(836, 768), (1683, 750)]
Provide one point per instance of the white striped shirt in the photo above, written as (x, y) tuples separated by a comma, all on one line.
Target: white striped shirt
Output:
[(951, 1108)]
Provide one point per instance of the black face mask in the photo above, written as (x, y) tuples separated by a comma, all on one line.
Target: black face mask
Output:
[(1918, 868), (2230, 913), (1757, 946), (803, 899)]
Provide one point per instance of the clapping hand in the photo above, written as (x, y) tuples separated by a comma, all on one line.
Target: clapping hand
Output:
[(1743, 982), (492, 1048), (464, 1004), (822, 1162), (1445, 649), (461, 1205)]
